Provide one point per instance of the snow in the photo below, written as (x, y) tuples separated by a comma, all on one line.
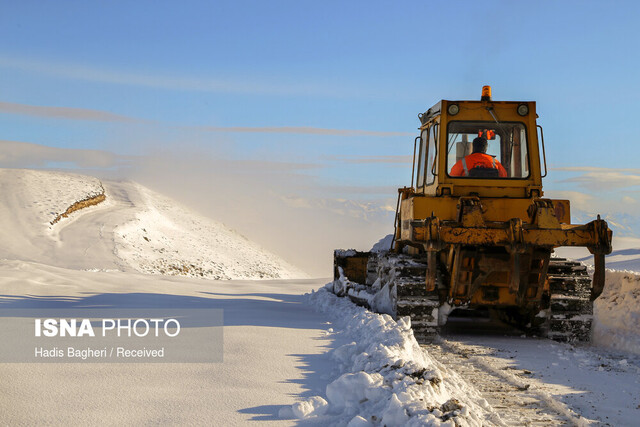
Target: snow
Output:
[(584, 384), (374, 384), (292, 355), (270, 334), (46, 195), (134, 229), (165, 238), (383, 244), (315, 406), (617, 312), (383, 377)]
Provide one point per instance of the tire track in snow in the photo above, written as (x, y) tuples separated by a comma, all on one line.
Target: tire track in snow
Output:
[(519, 400)]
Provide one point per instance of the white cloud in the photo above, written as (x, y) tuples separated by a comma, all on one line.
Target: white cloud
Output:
[(402, 160), (605, 180), (367, 211), (15, 154), (69, 113), (629, 200), (579, 200), (302, 130), (250, 85), (593, 169), (64, 113)]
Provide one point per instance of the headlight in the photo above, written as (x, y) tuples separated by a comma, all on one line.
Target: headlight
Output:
[(523, 109), (453, 109)]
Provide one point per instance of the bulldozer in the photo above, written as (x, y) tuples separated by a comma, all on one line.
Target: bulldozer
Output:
[(472, 234)]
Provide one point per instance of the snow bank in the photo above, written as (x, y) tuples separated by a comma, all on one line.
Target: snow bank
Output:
[(617, 312), (384, 244), (384, 377)]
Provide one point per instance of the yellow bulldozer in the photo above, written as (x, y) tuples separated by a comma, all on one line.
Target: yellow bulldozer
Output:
[(474, 231)]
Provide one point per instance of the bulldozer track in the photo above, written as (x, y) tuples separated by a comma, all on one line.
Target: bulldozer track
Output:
[(406, 277), (518, 399), (567, 315), (570, 308)]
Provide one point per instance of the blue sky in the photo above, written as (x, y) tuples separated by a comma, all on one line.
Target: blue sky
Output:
[(148, 77)]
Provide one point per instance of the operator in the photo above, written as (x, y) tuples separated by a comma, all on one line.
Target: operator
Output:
[(478, 159)]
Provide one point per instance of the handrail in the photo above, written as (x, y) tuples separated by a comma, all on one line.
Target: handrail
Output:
[(544, 155), (413, 166), (435, 156)]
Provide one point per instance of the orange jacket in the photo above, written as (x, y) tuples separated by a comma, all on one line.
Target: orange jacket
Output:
[(477, 160)]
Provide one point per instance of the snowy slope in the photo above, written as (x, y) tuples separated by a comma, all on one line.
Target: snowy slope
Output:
[(134, 229), (166, 238)]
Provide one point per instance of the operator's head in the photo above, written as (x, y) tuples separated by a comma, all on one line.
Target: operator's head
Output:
[(480, 145)]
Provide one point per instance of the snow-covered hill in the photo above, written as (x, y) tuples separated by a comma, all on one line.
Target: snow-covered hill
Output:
[(621, 259), (133, 228)]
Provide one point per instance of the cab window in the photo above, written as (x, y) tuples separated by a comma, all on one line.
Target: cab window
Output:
[(505, 154)]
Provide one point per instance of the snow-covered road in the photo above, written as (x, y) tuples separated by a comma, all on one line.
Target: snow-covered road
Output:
[(538, 381), (272, 345)]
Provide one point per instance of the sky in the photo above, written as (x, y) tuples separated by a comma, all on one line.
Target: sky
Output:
[(293, 121)]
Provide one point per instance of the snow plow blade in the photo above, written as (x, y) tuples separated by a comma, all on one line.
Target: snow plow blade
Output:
[(515, 236), (352, 263)]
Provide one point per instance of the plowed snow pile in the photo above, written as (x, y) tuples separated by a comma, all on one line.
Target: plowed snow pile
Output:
[(383, 377), (617, 312)]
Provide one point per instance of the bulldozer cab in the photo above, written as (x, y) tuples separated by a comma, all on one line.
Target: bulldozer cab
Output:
[(446, 163), (506, 146)]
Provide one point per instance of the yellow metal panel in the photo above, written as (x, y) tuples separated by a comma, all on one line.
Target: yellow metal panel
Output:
[(453, 233), (493, 209), (446, 209)]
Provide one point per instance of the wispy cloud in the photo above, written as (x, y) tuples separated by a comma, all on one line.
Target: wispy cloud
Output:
[(66, 113), (372, 159), (14, 154), (302, 130), (387, 191), (600, 178), (593, 169), (581, 201), (69, 113), (262, 166), (367, 211), (605, 180), (248, 85)]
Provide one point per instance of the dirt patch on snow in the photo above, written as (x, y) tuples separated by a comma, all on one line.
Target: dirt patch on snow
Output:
[(84, 203)]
